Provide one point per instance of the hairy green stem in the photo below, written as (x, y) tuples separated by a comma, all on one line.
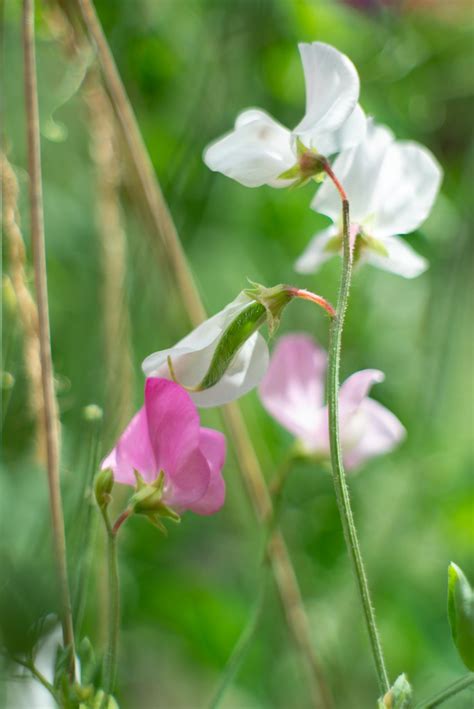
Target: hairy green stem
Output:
[(29, 664), (339, 478), (448, 692)]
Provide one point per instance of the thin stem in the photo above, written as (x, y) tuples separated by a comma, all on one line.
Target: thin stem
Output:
[(39, 263), (448, 692), (249, 465), (29, 665), (241, 648), (110, 660), (339, 478)]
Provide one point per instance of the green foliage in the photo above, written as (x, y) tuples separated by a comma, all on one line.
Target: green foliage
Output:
[(461, 614)]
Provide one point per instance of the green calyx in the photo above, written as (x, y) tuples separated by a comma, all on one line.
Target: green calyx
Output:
[(461, 614), (148, 501), (399, 696), (273, 300), (310, 166)]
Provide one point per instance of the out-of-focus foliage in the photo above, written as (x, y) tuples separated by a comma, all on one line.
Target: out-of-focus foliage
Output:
[(190, 66)]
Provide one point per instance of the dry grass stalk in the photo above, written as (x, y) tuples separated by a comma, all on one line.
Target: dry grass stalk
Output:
[(104, 152), (27, 310)]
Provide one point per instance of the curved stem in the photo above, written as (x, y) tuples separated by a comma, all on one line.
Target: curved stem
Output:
[(340, 484), (448, 692), (241, 648), (39, 263), (29, 665)]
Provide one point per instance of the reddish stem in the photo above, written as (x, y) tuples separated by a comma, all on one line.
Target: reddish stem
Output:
[(120, 520), (308, 295), (328, 170)]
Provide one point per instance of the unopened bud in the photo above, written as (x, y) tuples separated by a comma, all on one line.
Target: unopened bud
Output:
[(399, 696), (103, 484), (92, 412)]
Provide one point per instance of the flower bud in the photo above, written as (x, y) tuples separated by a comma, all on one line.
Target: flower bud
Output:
[(103, 484), (399, 696), (461, 614), (92, 413)]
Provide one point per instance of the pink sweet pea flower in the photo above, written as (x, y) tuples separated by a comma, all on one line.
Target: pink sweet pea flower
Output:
[(165, 436), (293, 393)]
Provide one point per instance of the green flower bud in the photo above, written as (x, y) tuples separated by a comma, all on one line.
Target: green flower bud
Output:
[(103, 484), (461, 614), (399, 696), (148, 501)]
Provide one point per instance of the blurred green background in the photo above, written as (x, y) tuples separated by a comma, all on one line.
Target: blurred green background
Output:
[(190, 66)]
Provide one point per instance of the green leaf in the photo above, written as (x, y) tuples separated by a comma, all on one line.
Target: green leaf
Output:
[(461, 614), (399, 696)]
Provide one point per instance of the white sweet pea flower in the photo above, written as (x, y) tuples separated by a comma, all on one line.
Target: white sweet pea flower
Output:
[(391, 186), (191, 358), (260, 149)]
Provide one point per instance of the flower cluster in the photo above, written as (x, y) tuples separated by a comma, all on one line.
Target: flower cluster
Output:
[(391, 186)]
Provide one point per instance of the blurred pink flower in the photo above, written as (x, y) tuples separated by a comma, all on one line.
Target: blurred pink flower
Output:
[(259, 148), (165, 436), (293, 393)]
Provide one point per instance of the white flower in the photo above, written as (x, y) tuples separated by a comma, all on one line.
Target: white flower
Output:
[(391, 186), (260, 149), (192, 356)]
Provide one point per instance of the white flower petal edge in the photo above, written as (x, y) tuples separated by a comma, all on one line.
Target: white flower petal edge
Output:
[(192, 356), (401, 259), (255, 152), (316, 252), (332, 90)]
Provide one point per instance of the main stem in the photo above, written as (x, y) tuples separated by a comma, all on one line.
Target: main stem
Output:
[(39, 263), (340, 484), (447, 693)]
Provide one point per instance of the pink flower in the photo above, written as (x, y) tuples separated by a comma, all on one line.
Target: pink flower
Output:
[(293, 393), (165, 436)]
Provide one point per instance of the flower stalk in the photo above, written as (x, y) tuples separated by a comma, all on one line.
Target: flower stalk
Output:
[(339, 478), (39, 264), (448, 692)]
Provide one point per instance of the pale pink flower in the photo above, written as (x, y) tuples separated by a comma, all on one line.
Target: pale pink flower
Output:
[(293, 393), (165, 436)]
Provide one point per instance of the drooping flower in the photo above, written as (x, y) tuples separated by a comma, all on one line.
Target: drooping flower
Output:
[(259, 149), (293, 393), (191, 358), (165, 444), (391, 186), (225, 357)]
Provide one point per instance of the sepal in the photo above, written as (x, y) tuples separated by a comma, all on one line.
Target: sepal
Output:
[(399, 696)]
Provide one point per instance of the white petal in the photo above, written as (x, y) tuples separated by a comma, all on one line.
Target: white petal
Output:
[(350, 134), (315, 253), (401, 259), (408, 184), (255, 153), (192, 356), (358, 171), (332, 90)]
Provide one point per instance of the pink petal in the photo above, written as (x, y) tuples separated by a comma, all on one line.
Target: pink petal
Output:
[(382, 432), (188, 483), (133, 452), (354, 390), (213, 446), (174, 431), (173, 424), (293, 388)]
